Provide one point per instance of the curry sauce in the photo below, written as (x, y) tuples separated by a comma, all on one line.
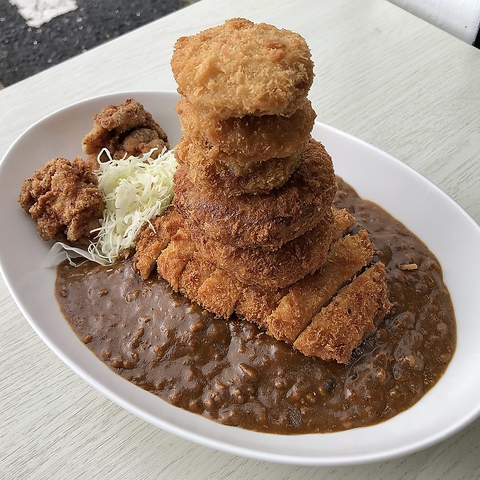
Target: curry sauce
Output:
[(233, 373)]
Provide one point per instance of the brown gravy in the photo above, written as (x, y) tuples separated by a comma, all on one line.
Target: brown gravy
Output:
[(231, 372)]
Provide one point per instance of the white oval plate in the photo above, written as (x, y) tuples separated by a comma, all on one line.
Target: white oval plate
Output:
[(449, 232)]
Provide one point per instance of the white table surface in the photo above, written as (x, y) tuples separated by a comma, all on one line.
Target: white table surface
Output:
[(382, 75)]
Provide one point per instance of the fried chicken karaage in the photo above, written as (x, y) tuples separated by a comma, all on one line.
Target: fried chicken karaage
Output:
[(64, 200), (126, 129)]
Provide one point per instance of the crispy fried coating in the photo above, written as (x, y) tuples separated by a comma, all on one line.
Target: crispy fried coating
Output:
[(250, 138), (300, 305), (206, 170), (352, 315), (264, 220), (271, 268), (346, 257), (175, 256), (152, 245), (64, 200), (199, 280), (152, 239), (343, 223), (126, 129), (256, 303), (241, 68), (220, 293), (194, 275)]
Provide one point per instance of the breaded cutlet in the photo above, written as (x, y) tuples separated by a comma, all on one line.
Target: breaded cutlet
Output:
[(241, 68), (249, 139), (264, 220), (214, 173), (298, 305)]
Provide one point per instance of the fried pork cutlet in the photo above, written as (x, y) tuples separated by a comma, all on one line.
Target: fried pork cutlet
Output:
[(207, 171), (64, 200), (201, 279), (346, 257), (241, 68), (221, 294), (152, 239), (270, 268), (175, 256), (299, 306), (249, 139), (264, 220), (126, 129), (253, 302), (351, 316)]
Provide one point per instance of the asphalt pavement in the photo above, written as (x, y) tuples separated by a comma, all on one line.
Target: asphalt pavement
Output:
[(37, 34)]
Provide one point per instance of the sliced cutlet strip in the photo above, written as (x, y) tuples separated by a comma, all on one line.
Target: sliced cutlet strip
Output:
[(256, 304), (210, 287), (342, 224), (219, 293), (306, 297), (175, 256), (152, 239), (196, 271), (350, 317)]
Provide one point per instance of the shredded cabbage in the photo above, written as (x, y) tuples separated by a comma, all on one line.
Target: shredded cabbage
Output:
[(76, 256), (135, 190)]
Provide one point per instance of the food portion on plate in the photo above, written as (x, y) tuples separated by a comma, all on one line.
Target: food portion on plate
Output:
[(260, 240), (268, 295), (103, 202)]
